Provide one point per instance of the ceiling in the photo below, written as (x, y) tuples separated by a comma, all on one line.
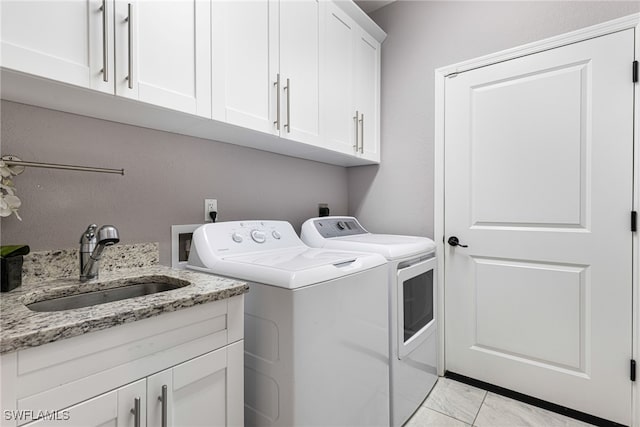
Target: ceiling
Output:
[(371, 5)]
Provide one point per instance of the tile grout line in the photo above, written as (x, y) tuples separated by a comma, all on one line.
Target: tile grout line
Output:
[(448, 415), (478, 413)]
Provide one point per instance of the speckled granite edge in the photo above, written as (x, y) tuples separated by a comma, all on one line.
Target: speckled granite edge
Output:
[(22, 328), (64, 263)]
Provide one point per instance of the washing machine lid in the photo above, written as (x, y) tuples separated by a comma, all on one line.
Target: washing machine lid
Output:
[(282, 261), (346, 233)]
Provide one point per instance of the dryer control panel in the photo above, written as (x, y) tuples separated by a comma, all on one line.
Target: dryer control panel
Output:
[(338, 226)]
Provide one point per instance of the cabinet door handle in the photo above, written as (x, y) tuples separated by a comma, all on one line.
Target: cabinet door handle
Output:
[(288, 89), (165, 404), (277, 85), (130, 32), (355, 123), (105, 54), (361, 133), (136, 412)]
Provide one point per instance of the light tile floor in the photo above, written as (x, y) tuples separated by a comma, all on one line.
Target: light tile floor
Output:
[(452, 403)]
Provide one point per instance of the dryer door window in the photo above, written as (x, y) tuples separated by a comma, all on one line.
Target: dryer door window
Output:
[(415, 285), (417, 294)]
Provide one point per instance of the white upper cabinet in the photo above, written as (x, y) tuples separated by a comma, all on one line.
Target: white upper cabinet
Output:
[(163, 51), (304, 74), (299, 70), (266, 66), (245, 49), (337, 105), (367, 94), (350, 85), (67, 41)]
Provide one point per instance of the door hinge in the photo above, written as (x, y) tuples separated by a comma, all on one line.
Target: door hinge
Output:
[(632, 375), (634, 221), (635, 71)]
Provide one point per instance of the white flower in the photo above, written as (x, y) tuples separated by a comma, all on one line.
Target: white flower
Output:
[(9, 204), (8, 171), (8, 188)]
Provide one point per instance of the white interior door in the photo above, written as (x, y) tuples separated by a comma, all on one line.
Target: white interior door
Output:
[(538, 184)]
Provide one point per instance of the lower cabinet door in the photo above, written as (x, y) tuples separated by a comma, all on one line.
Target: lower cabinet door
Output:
[(115, 408), (205, 391)]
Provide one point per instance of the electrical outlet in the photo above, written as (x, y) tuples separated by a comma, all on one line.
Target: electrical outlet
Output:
[(210, 205)]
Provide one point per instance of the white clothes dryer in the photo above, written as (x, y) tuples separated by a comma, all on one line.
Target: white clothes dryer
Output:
[(316, 346), (412, 308)]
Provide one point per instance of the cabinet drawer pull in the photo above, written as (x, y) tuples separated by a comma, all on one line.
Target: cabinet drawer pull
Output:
[(288, 89), (165, 404), (136, 412), (277, 85), (130, 32), (105, 54)]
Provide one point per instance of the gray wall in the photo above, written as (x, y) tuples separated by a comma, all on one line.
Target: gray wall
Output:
[(167, 178), (397, 196)]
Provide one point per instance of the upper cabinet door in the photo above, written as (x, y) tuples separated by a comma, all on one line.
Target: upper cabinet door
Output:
[(67, 41), (337, 106), (163, 53), (367, 95), (299, 70), (245, 63)]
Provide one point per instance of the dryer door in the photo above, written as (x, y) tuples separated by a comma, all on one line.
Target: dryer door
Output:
[(415, 285)]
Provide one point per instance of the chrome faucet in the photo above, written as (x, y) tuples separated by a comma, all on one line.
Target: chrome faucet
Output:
[(91, 246)]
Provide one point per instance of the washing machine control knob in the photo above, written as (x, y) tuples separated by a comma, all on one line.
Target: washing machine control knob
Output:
[(258, 236), (340, 225), (276, 234), (236, 237)]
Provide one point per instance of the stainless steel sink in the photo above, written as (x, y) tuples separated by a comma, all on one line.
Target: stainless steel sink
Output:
[(104, 296)]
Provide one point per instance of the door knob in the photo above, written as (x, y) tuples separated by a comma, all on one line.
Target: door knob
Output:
[(453, 241)]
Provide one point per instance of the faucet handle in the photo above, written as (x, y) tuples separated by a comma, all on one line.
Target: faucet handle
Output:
[(89, 234)]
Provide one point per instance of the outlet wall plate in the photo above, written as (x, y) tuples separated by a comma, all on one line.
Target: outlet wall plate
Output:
[(210, 205)]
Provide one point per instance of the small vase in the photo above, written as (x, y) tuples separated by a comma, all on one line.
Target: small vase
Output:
[(11, 273)]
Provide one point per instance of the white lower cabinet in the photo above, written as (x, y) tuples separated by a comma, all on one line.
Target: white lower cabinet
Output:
[(108, 409), (184, 368), (195, 393)]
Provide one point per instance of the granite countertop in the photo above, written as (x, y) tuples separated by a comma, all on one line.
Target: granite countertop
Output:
[(22, 328)]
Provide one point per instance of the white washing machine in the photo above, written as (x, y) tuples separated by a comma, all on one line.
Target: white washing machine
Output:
[(412, 295), (316, 346)]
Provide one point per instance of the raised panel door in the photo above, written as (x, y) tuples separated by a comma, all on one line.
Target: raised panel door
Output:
[(538, 184), (66, 41)]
